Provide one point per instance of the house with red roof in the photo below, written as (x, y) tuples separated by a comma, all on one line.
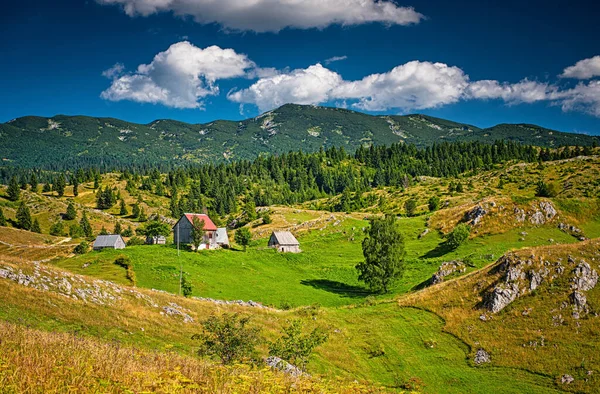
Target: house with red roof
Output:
[(182, 231)]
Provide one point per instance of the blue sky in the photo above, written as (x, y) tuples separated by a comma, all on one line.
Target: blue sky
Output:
[(467, 61)]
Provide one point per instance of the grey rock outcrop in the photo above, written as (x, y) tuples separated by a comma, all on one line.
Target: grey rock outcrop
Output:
[(567, 379), (481, 357), (283, 366), (474, 216), (585, 278), (501, 296), (447, 268)]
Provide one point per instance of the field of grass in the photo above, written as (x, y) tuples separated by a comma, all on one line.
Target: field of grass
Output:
[(390, 345), (536, 332)]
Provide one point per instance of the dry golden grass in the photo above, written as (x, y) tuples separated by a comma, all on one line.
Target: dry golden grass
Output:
[(525, 334), (33, 361)]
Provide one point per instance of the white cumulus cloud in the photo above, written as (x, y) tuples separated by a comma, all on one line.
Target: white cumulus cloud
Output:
[(312, 85), (414, 85), (583, 69), (524, 91), (178, 77), (275, 15), (583, 98)]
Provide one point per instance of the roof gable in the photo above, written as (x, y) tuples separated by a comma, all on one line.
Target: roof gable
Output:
[(107, 240), (208, 223), (285, 238)]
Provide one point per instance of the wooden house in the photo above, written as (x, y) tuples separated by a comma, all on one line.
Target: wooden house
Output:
[(111, 241), (284, 241), (182, 231)]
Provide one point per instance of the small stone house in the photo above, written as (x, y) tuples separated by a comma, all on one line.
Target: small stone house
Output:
[(284, 241), (111, 241), (182, 231), (159, 240)]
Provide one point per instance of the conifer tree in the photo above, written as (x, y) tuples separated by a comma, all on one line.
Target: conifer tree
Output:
[(85, 225), (35, 226), (123, 209), (46, 188), (135, 212), (2, 218), (57, 228), (71, 211), (118, 228), (59, 185), (33, 183), (23, 217), (13, 189), (142, 217), (75, 183)]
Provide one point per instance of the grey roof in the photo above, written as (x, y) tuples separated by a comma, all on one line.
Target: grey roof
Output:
[(285, 238), (221, 236), (105, 241)]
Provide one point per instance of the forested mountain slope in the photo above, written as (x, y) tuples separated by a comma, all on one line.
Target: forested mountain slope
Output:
[(78, 141)]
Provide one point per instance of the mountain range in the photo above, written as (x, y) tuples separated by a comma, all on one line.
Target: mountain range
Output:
[(69, 141)]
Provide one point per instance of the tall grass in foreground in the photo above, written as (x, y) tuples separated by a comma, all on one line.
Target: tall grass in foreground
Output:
[(33, 361)]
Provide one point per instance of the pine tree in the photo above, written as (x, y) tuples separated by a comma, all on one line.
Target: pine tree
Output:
[(75, 183), (13, 189), (46, 188), (23, 182), (2, 218), (59, 185), (71, 211), (33, 182), (35, 227), (23, 217), (96, 182), (123, 209), (142, 217), (103, 231), (117, 229), (86, 228), (135, 211)]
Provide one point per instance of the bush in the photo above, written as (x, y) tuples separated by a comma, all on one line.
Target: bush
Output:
[(544, 189), (410, 206), (228, 338), (82, 248), (57, 228), (128, 232), (75, 231), (434, 203), (266, 218), (125, 262), (186, 286), (296, 347), (458, 236), (134, 241)]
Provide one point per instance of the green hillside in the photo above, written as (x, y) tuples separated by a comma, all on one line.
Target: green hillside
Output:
[(70, 141)]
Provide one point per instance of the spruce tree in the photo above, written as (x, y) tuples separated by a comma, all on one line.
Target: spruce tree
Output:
[(57, 228), (118, 228), (142, 217), (35, 226), (13, 189), (33, 182), (75, 183), (123, 209), (59, 185), (136, 211), (71, 211), (46, 188), (2, 218), (86, 228), (23, 217)]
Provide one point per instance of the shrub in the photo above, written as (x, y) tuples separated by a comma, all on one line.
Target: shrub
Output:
[(82, 248), (57, 228), (75, 231), (296, 347), (266, 218), (434, 203), (186, 286), (228, 338), (128, 232), (134, 241), (544, 189), (125, 262), (458, 236), (410, 206)]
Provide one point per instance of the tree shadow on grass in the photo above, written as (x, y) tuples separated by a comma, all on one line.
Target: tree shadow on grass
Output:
[(439, 251), (339, 288)]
